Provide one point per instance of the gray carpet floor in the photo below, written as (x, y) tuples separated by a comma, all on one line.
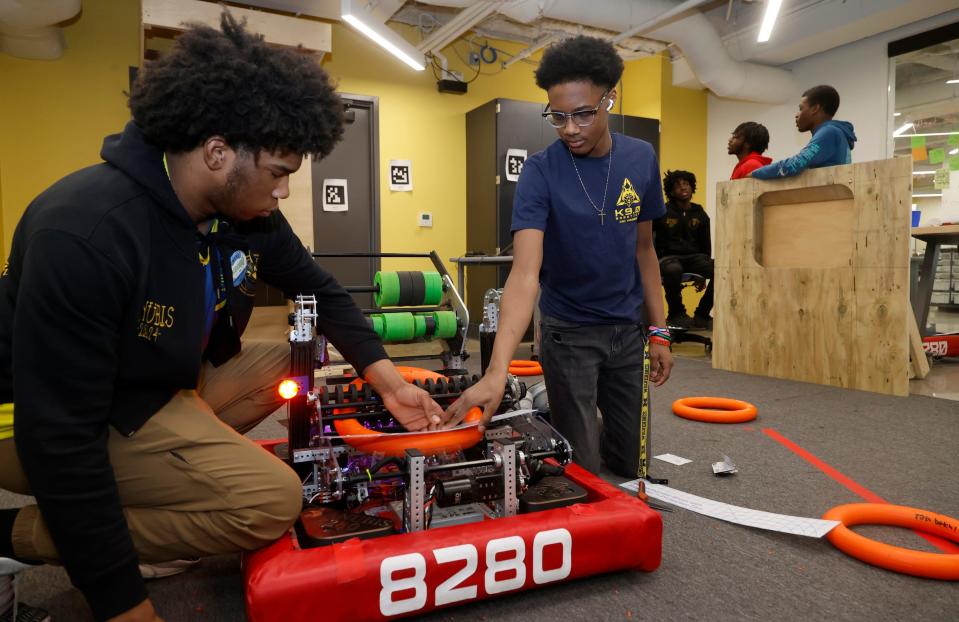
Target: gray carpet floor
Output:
[(906, 450)]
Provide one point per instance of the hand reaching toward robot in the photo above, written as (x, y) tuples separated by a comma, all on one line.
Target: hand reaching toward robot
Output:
[(413, 408), (486, 394), (410, 405)]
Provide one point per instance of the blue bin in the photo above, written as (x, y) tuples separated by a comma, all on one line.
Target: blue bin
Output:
[(915, 217)]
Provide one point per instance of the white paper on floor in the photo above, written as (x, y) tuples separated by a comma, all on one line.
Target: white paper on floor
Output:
[(798, 525), (672, 459)]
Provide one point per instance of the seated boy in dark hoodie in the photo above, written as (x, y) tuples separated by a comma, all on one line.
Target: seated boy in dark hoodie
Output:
[(748, 142), (832, 141)]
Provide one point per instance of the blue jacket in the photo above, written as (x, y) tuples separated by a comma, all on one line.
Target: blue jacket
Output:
[(831, 144)]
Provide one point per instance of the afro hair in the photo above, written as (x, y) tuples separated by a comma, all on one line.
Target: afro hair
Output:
[(580, 58), (670, 179), (233, 84), (754, 134)]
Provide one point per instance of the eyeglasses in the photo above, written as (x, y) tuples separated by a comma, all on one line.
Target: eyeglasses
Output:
[(582, 118)]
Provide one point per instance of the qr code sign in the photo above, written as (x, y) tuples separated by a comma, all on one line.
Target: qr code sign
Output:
[(335, 195), (516, 164), (400, 174)]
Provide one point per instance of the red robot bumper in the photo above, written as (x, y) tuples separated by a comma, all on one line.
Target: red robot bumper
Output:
[(413, 573)]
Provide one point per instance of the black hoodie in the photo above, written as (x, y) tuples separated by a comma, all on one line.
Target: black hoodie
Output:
[(682, 232), (101, 323)]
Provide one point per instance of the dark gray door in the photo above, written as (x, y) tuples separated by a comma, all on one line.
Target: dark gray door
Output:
[(356, 230)]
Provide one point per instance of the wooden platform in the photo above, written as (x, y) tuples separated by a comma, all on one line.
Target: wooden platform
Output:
[(812, 276)]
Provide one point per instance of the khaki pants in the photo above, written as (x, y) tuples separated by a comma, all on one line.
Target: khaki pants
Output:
[(190, 483)]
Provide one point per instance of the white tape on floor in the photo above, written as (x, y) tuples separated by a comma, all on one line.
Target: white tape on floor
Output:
[(798, 525)]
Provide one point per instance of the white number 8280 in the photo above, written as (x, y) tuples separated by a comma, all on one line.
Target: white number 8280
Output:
[(450, 591)]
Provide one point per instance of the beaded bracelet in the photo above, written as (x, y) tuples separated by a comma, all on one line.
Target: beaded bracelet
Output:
[(659, 341)]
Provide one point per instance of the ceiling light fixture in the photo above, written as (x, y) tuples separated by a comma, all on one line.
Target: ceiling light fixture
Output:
[(384, 36), (896, 114), (902, 128), (928, 194), (924, 172), (769, 20), (953, 81), (926, 134)]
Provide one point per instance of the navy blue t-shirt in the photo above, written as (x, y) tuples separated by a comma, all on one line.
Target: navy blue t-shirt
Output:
[(590, 274)]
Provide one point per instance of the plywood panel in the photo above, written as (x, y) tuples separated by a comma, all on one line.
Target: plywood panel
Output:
[(827, 240), (812, 276)]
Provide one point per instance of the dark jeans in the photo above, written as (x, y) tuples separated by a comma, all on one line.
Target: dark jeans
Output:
[(590, 366), (672, 268)]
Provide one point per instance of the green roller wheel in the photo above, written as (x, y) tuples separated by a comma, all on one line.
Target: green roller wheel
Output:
[(377, 321), (429, 325), (446, 324), (434, 288), (387, 286), (398, 327), (419, 325)]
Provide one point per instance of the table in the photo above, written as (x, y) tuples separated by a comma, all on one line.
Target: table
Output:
[(472, 260), (921, 295)]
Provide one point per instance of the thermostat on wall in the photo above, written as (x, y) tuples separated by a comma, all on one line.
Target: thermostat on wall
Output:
[(426, 219)]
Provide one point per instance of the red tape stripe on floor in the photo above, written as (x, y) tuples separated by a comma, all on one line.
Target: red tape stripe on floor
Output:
[(940, 543)]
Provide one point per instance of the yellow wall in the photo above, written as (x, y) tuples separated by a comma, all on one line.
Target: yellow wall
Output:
[(54, 114)]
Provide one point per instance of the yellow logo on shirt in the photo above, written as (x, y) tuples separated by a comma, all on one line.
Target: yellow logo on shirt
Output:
[(629, 201), (154, 318)]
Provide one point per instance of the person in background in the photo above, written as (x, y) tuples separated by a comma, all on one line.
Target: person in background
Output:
[(582, 233), (122, 306), (832, 141), (683, 244), (748, 142)]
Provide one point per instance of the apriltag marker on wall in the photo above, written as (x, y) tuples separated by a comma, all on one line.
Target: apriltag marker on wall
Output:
[(401, 175), (515, 159), (335, 195)]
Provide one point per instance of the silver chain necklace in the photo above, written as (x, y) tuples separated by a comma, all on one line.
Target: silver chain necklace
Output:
[(600, 211)]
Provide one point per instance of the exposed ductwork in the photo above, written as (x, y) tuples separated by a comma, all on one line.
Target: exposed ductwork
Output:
[(690, 31), (716, 69), (27, 27)]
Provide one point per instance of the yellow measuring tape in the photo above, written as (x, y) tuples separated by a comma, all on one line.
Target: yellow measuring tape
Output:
[(643, 470)]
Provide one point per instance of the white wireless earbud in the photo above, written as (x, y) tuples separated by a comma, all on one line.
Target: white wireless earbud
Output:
[(609, 106)]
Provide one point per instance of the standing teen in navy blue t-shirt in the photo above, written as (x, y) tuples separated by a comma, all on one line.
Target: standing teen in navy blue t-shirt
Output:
[(582, 233)]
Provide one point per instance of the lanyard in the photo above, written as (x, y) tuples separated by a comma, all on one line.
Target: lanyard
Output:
[(219, 282)]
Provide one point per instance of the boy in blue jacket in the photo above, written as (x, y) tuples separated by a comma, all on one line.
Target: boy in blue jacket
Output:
[(832, 141)]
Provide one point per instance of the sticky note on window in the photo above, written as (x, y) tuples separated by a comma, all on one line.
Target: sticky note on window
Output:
[(919, 154), (953, 140), (954, 163), (918, 141), (936, 156)]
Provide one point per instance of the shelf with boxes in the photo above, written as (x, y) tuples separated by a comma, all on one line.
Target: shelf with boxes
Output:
[(945, 287)]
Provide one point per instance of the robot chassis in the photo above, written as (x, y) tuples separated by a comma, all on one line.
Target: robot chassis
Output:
[(335, 469), (382, 515)]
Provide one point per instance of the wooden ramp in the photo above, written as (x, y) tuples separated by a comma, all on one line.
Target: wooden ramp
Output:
[(812, 276)]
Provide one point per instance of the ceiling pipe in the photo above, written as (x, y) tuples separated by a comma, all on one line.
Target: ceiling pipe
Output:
[(547, 40), (656, 21), (27, 28), (718, 71), (453, 29)]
